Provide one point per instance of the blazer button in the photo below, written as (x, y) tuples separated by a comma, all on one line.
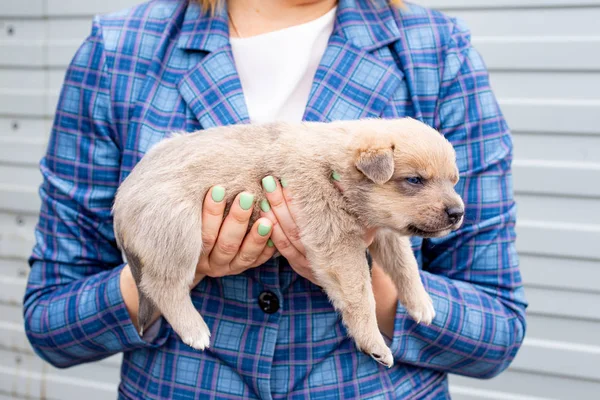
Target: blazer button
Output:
[(268, 302)]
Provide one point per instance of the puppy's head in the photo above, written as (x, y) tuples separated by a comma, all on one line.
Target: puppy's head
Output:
[(404, 175)]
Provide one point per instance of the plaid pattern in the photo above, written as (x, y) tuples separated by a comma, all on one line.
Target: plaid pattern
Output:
[(162, 66)]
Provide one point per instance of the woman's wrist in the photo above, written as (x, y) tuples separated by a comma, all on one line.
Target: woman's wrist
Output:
[(386, 300), (130, 295)]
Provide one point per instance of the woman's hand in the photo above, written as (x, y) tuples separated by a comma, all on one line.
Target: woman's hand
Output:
[(227, 249), (280, 209)]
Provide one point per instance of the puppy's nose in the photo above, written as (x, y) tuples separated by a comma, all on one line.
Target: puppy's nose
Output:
[(454, 214)]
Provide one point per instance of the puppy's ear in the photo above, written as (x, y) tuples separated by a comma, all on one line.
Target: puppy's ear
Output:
[(376, 164)]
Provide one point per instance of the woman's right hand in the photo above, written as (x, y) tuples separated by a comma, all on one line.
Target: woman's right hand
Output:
[(227, 249)]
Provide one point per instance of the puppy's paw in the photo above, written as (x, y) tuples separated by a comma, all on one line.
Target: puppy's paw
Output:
[(421, 310), (199, 343), (199, 339), (374, 346), (387, 360)]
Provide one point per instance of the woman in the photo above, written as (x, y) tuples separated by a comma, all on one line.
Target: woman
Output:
[(171, 65)]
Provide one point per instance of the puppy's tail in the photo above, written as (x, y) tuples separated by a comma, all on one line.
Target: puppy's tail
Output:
[(146, 308)]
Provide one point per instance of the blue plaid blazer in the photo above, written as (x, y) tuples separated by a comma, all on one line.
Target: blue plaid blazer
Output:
[(164, 66)]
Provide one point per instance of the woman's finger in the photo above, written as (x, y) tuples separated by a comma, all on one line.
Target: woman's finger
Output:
[(281, 211), (267, 253), (280, 240), (287, 195), (232, 233), (289, 200), (253, 246), (306, 272), (213, 209), (282, 243)]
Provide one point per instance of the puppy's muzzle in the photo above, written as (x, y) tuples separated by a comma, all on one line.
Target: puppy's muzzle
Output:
[(447, 220), (454, 214)]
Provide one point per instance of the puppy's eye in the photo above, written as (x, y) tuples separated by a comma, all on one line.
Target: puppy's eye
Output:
[(414, 180)]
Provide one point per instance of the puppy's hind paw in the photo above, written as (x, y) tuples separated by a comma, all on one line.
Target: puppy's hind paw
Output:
[(199, 340)]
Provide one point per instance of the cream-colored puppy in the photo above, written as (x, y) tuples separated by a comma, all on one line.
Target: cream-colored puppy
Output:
[(396, 175)]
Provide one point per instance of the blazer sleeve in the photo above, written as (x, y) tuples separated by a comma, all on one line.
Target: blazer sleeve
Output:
[(472, 274), (73, 308)]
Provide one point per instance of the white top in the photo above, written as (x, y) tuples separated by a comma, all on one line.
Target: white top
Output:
[(277, 68)]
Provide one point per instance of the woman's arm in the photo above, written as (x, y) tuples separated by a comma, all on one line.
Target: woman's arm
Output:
[(472, 274), (386, 300), (81, 301), (74, 310)]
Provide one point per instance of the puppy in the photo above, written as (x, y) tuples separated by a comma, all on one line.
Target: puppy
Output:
[(396, 175)]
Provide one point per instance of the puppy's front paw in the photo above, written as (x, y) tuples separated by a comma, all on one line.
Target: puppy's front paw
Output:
[(421, 308), (198, 339), (387, 360), (375, 346)]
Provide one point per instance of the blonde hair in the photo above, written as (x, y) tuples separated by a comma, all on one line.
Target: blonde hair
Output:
[(210, 5)]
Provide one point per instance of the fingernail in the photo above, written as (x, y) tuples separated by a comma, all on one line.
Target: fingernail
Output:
[(270, 243), (263, 230), (335, 176), (269, 184), (218, 193), (265, 206), (284, 182), (246, 200)]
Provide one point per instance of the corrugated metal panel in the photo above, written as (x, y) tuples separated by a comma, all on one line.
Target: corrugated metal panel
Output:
[(545, 66), (30, 377), (521, 385), (451, 5), (37, 40)]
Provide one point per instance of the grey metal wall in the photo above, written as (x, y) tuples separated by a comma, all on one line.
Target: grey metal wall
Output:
[(37, 40), (544, 57)]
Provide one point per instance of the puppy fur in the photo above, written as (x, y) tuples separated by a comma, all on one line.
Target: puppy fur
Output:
[(158, 208)]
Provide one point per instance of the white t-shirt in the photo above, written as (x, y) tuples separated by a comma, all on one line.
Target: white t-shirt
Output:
[(277, 68)]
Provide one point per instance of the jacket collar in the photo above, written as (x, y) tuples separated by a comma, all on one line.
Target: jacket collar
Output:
[(201, 31), (367, 24), (350, 82)]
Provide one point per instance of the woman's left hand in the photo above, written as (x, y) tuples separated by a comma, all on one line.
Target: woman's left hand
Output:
[(280, 210)]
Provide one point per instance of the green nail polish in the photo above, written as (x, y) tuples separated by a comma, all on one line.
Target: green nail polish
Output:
[(270, 243), (265, 206), (335, 176), (263, 230), (269, 184), (246, 200), (218, 193), (284, 182)]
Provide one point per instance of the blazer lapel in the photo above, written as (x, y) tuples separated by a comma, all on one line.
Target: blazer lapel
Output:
[(212, 88), (353, 80), (213, 91), (349, 84)]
